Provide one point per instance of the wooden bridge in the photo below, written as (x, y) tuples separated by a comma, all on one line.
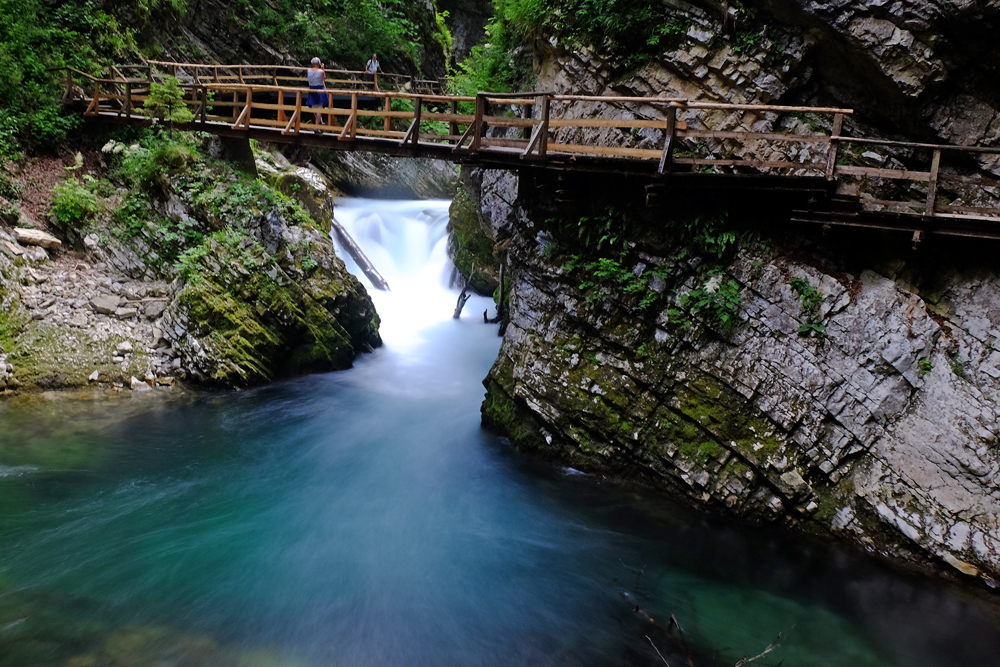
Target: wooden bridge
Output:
[(668, 142)]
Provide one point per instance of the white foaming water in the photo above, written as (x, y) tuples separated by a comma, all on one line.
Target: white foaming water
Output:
[(406, 241)]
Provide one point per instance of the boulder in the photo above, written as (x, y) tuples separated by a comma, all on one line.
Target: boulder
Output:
[(36, 237), (105, 304), (138, 385)]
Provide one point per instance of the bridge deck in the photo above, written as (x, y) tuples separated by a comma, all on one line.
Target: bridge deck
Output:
[(667, 140)]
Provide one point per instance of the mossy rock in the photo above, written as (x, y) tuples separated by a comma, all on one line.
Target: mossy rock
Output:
[(470, 245)]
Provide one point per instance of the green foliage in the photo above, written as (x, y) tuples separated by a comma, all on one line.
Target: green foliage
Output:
[(924, 367), (609, 278), (629, 31), (810, 298), (605, 231), (443, 34), (706, 233), (956, 366), (497, 66), (812, 328), (717, 301), (166, 103), (36, 35), (346, 31), (74, 201)]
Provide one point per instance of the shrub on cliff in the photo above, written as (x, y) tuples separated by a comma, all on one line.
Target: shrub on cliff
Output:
[(74, 201)]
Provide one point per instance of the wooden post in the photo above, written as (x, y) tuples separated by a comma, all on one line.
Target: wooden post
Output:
[(353, 120), (388, 119), (128, 99), (236, 99), (932, 185), (204, 105), (478, 122), (375, 80), (329, 105), (298, 110), (94, 103), (215, 73), (831, 156), (525, 113), (239, 73), (543, 137), (249, 107), (417, 103), (667, 157)]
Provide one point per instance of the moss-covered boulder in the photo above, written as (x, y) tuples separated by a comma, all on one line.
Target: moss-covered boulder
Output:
[(469, 242), (244, 316)]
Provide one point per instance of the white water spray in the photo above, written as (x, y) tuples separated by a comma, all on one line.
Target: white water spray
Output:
[(406, 241)]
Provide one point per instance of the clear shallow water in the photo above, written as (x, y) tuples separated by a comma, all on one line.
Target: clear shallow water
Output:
[(363, 518)]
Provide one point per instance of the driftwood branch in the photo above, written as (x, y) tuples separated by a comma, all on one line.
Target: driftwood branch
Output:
[(359, 257), (464, 296), (658, 651), (770, 647)]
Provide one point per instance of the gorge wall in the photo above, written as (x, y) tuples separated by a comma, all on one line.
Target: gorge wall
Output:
[(850, 392), (841, 384)]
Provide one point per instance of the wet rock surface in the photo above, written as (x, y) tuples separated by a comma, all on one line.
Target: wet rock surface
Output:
[(883, 429)]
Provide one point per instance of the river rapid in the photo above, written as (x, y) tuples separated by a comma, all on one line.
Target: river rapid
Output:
[(364, 518)]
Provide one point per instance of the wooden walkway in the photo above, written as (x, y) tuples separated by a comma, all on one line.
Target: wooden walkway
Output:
[(944, 189)]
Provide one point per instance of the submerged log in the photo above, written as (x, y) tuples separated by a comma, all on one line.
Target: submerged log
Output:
[(464, 296), (359, 257)]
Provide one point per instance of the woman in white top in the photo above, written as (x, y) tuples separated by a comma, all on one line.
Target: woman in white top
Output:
[(317, 81)]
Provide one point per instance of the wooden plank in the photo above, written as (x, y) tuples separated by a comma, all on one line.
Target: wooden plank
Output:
[(506, 121), (298, 112), (980, 218), (545, 124), (751, 136), (666, 157), (242, 117), (894, 174), (605, 150), (613, 122), (478, 123), (831, 155), (461, 140), (289, 126), (967, 209), (612, 98), (453, 121), (932, 183), (503, 142), (982, 181), (756, 164), (388, 114), (910, 144)]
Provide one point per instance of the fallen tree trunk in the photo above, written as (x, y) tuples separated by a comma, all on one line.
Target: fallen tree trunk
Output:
[(359, 257), (464, 296)]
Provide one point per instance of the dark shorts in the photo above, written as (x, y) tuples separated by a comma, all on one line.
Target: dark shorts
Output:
[(317, 99)]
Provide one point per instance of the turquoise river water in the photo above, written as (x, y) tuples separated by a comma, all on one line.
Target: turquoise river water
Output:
[(364, 518)]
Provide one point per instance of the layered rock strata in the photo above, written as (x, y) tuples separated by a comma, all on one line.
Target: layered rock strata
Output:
[(867, 409)]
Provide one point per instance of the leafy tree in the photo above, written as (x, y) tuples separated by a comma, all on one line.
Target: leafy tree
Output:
[(166, 102)]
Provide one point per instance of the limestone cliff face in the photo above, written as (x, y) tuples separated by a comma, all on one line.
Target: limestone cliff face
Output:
[(850, 395), (918, 69)]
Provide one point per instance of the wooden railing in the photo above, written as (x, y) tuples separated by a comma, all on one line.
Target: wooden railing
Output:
[(539, 128), (290, 75)]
